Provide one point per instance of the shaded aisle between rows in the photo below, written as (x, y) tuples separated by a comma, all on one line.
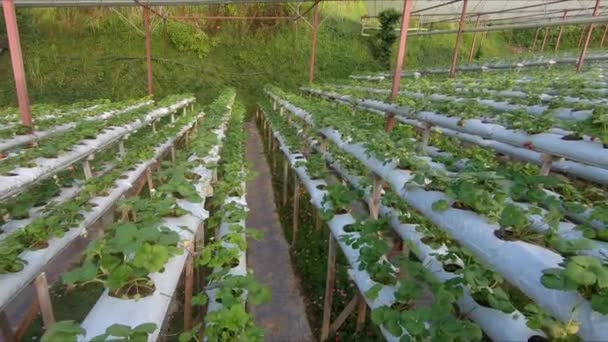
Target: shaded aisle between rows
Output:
[(284, 317)]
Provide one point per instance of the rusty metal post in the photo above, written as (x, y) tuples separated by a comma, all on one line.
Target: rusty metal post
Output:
[(474, 40), (604, 36), (542, 46), (148, 50), (14, 47), (559, 34), (405, 24), (313, 52), (458, 39), (535, 38), (581, 58)]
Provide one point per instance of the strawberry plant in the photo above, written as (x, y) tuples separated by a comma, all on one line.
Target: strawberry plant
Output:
[(584, 274)]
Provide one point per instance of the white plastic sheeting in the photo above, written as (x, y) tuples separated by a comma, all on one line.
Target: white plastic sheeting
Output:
[(46, 167)]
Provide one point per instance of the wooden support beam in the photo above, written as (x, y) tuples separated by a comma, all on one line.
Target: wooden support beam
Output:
[(604, 36), (149, 181), (330, 283), (461, 26), (535, 38), (581, 58), (296, 210), (313, 51), (44, 300), (472, 53), (405, 24), (285, 180), (361, 313), (188, 285), (544, 43), (374, 203), (559, 34), (348, 310), (148, 50), (6, 329), (14, 48)]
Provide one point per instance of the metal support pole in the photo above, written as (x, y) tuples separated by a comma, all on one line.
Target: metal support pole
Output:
[(148, 50), (405, 24), (474, 41), (14, 47), (458, 39), (313, 52), (604, 36), (542, 46), (581, 58), (559, 34)]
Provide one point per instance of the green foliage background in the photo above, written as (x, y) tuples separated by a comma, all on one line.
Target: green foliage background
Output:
[(87, 53)]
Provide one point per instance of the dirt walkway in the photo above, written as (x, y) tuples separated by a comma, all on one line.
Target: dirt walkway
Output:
[(284, 317)]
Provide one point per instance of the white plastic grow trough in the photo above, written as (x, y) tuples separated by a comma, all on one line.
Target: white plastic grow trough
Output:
[(65, 194), (336, 224), (582, 151), (521, 263), (154, 308), (496, 324), (588, 172), (19, 140), (24, 177), (12, 283), (565, 114)]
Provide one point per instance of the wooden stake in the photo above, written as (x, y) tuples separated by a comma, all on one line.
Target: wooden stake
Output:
[(173, 154), (188, 284), (424, 141), (86, 167), (330, 283), (149, 180), (296, 210), (348, 310), (361, 313), (374, 205), (547, 160), (44, 300), (173, 116), (274, 156), (153, 126), (121, 148), (285, 180), (6, 329)]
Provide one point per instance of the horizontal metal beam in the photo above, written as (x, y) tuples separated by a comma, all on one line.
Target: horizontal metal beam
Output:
[(581, 21), (122, 3)]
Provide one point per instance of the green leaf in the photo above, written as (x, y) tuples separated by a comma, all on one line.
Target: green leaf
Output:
[(513, 216), (118, 330), (554, 278), (441, 205), (151, 257), (63, 331), (147, 328), (374, 291), (599, 303)]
